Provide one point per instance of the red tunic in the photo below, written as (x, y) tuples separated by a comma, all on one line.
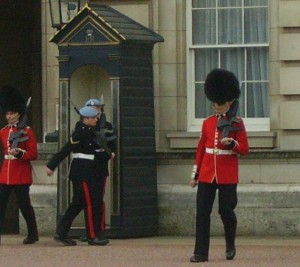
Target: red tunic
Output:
[(17, 171), (222, 167)]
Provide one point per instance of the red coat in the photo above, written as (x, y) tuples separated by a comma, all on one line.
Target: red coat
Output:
[(223, 167), (18, 171)]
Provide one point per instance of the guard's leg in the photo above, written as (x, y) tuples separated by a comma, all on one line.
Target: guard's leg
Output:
[(205, 199), (22, 194), (227, 203), (5, 191), (75, 207)]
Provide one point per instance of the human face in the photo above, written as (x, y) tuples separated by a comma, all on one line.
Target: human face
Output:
[(12, 117), (222, 108), (90, 121)]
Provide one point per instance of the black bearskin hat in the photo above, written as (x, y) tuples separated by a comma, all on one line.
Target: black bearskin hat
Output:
[(11, 99), (221, 86)]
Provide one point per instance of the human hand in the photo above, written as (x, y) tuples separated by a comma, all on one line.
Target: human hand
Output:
[(226, 140), (14, 151), (193, 183), (49, 172)]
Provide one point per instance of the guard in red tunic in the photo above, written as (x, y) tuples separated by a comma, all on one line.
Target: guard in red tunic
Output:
[(19, 148), (223, 138)]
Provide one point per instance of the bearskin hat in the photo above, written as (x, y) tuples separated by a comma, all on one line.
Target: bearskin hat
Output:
[(11, 99), (221, 86)]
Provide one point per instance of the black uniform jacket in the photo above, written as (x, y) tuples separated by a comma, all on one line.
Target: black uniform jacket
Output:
[(82, 142), (102, 158)]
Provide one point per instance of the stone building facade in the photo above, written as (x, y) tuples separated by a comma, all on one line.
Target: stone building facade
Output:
[(269, 189)]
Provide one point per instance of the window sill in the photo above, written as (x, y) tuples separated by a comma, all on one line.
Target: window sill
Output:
[(186, 140)]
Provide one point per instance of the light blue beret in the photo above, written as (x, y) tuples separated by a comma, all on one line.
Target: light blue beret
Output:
[(93, 102), (88, 112)]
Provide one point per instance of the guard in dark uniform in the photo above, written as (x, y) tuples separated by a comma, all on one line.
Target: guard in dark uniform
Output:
[(107, 142), (82, 174)]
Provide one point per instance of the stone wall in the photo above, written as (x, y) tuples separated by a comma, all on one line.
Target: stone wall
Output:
[(263, 210), (268, 194)]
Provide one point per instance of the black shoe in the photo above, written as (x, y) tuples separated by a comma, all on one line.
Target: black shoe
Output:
[(30, 239), (230, 252), (198, 258), (98, 241), (65, 240), (83, 239)]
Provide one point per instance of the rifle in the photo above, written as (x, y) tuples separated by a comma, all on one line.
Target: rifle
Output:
[(226, 124), (101, 138), (17, 137), (75, 108)]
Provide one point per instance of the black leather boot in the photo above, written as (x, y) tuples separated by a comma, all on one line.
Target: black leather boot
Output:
[(198, 258), (30, 239), (230, 252)]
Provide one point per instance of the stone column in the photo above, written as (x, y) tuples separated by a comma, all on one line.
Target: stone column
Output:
[(64, 133), (115, 96)]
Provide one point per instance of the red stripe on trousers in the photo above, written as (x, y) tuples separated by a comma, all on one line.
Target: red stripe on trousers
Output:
[(88, 210)]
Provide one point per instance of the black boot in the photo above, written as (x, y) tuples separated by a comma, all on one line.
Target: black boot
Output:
[(66, 240), (198, 258), (230, 224), (30, 219), (83, 239), (101, 240), (230, 252), (30, 239)]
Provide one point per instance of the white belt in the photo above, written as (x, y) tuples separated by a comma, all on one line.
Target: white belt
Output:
[(217, 151), (9, 157), (83, 156), (100, 150)]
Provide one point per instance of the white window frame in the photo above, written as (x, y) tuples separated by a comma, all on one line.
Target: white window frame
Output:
[(194, 124)]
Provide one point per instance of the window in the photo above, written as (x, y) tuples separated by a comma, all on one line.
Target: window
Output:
[(233, 35)]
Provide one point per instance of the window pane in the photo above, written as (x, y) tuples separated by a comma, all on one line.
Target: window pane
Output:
[(230, 3), (204, 27), (218, 25), (256, 3), (230, 26), (233, 59), (257, 64), (203, 107), (204, 3), (205, 61), (257, 100), (242, 104), (254, 31)]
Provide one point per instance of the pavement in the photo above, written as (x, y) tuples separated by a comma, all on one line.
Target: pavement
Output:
[(166, 251)]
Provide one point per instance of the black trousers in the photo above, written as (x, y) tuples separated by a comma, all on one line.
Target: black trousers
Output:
[(227, 202), (85, 197), (23, 198)]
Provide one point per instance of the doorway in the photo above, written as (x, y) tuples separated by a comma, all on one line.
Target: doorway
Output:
[(86, 82)]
